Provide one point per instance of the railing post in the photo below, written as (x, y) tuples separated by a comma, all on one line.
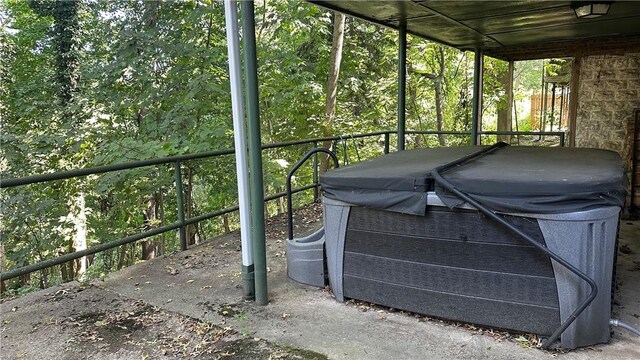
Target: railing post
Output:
[(255, 152), (180, 200), (334, 147), (562, 139), (315, 173), (386, 143)]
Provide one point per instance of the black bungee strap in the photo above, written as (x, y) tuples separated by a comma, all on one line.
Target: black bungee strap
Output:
[(437, 177)]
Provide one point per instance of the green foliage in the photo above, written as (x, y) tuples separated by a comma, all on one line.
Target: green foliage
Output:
[(527, 76), (430, 63)]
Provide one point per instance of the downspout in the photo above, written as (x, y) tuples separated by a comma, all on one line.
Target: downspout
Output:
[(240, 141)]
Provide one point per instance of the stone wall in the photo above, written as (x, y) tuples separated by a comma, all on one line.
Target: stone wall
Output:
[(609, 92)]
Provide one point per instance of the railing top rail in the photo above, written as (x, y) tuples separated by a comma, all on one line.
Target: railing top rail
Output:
[(13, 182), (533, 133), (6, 183), (436, 132), (491, 132), (328, 138)]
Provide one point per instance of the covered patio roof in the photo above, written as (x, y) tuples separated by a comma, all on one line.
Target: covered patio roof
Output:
[(508, 30)]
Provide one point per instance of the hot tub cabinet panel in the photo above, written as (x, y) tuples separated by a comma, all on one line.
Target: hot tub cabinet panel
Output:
[(456, 264), (396, 235)]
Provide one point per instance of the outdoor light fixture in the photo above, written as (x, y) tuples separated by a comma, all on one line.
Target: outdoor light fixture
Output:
[(590, 10)]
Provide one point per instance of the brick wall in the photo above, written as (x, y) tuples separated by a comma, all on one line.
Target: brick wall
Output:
[(609, 92)]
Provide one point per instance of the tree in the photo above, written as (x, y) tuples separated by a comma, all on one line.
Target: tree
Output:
[(438, 86), (332, 83)]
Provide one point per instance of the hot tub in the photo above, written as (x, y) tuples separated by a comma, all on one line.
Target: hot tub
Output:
[(396, 233)]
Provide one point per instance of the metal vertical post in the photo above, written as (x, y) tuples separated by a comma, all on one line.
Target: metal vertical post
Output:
[(543, 118), (561, 106), (180, 201), (315, 173), (255, 153), (402, 83), (334, 147), (543, 106), (510, 102), (573, 99), (386, 143), (553, 106), (476, 117), (240, 141)]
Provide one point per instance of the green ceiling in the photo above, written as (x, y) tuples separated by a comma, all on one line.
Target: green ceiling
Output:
[(505, 29)]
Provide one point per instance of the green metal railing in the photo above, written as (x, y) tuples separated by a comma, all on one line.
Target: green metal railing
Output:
[(183, 222), (559, 134)]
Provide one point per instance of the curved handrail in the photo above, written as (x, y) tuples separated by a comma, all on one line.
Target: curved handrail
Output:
[(290, 174), (435, 173)]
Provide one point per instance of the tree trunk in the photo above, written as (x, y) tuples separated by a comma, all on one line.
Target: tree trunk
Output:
[(80, 236), (2, 285), (515, 118), (64, 273), (413, 110), (282, 208), (438, 87), (225, 223), (131, 254), (191, 231), (332, 84), (149, 214), (504, 106), (122, 256), (440, 111), (439, 90), (71, 265), (201, 233), (150, 248), (44, 275), (65, 40), (25, 279), (160, 213)]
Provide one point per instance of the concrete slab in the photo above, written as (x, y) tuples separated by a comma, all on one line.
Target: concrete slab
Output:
[(204, 284)]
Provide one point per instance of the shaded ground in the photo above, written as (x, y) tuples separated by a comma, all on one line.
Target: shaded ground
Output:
[(79, 322), (188, 305)]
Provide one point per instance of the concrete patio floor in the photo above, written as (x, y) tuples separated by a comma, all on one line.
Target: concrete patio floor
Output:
[(188, 305)]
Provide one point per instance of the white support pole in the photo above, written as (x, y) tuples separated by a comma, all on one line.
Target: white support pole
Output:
[(240, 139)]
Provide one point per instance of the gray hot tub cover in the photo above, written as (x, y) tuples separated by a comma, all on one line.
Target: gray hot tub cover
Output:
[(510, 179)]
